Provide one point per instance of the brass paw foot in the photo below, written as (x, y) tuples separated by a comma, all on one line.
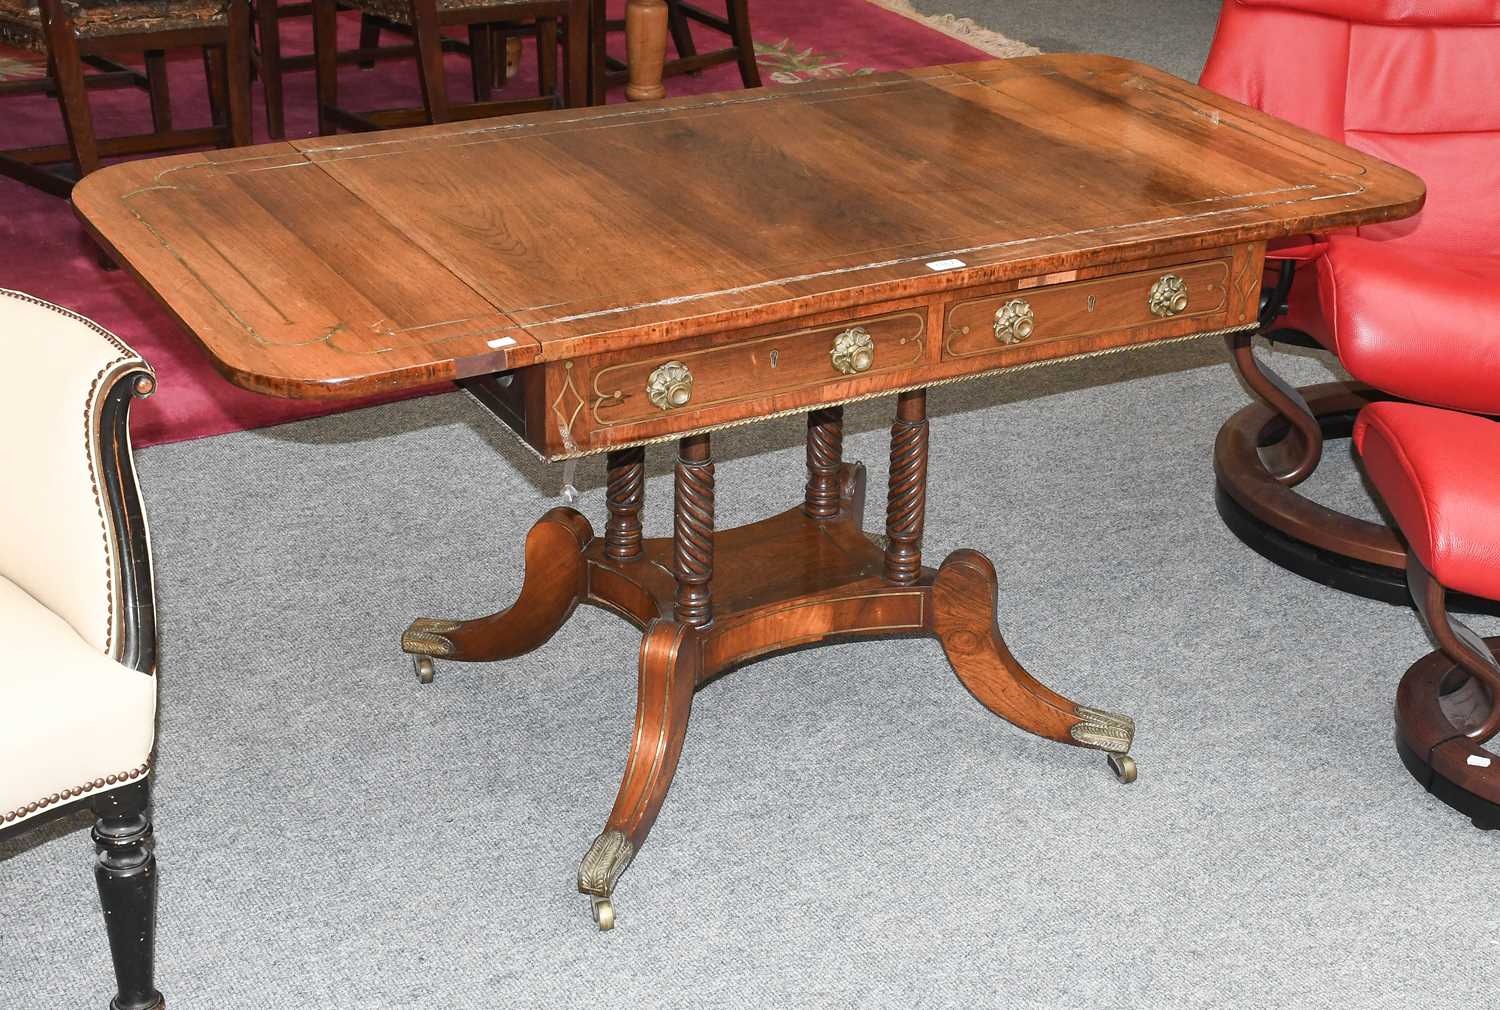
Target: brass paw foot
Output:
[(427, 637), (601, 867), (1107, 731), (1102, 730)]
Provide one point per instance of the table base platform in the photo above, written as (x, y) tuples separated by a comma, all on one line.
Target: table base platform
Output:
[(708, 601)]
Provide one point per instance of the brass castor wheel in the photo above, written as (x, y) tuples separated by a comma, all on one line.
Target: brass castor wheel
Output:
[(1123, 765), (424, 667), (604, 913)]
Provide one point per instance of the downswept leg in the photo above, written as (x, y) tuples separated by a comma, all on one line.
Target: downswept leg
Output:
[(671, 656), (963, 603), (556, 579)]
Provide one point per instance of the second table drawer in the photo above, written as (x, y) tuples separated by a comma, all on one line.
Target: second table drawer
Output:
[(683, 380), (1080, 308)]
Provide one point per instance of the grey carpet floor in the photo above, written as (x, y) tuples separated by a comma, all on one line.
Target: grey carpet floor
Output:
[(848, 827), (1170, 34)]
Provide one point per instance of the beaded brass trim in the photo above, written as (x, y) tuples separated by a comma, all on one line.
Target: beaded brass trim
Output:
[(70, 794)]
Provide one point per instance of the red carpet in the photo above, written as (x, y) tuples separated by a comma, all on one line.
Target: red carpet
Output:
[(46, 253)]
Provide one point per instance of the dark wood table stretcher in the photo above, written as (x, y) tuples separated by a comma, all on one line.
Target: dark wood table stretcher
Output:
[(607, 278)]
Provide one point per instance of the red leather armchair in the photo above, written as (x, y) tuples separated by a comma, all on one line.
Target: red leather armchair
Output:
[(1410, 308)]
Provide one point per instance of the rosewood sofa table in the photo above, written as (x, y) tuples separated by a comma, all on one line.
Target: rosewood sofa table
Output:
[(607, 278)]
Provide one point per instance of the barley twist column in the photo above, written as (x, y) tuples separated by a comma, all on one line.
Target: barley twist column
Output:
[(693, 531), (626, 492), (906, 505), (825, 451)]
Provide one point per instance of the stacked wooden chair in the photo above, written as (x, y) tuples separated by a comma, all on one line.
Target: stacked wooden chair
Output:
[(77, 623), (487, 21), (76, 34)]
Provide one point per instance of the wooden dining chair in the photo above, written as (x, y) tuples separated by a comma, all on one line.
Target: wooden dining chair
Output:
[(734, 22), (271, 66), (76, 34), (77, 620), (487, 21)]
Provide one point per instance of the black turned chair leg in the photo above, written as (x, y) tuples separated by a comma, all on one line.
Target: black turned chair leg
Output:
[(126, 875)]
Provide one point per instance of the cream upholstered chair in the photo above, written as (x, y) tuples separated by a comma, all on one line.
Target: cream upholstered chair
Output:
[(77, 625)]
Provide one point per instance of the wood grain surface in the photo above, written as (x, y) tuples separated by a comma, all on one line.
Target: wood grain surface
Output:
[(341, 266)]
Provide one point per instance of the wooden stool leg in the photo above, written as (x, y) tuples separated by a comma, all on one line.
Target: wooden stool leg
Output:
[(326, 61), (627, 492), (268, 24), (72, 93), (239, 132), (744, 43), (159, 90), (481, 56), (671, 659), (693, 531), (429, 38), (646, 41), (126, 875), (906, 505), (825, 454)]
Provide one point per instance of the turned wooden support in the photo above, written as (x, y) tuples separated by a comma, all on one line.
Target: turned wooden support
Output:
[(627, 490), (825, 451), (693, 531), (646, 48), (906, 505)]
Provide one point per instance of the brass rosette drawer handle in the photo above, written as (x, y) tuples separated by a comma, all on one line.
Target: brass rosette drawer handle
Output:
[(1014, 321), (853, 351), (670, 386), (1169, 296)]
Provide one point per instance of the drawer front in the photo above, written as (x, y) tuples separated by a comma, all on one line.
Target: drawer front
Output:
[(1081, 308), (683, 381)]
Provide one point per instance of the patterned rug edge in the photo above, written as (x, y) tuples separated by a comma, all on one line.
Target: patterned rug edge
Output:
[(966, 30)]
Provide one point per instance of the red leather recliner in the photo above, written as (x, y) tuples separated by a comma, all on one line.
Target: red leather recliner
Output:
[(1434, 469), (1411, 309)]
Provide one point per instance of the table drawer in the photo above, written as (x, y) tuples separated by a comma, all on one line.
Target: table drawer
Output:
[(685, 379), (1077, 309)]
